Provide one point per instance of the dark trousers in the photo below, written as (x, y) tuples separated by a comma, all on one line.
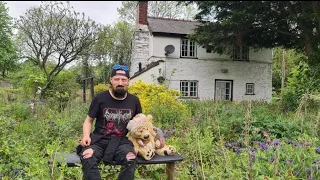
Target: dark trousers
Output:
[(90, 165)]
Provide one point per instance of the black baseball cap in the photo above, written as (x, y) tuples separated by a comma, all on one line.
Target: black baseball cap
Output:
[(120, 67)]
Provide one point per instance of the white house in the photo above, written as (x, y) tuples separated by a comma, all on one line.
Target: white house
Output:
[(160, 49)]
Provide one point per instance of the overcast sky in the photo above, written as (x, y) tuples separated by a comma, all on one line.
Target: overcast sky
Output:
[(104, 12)]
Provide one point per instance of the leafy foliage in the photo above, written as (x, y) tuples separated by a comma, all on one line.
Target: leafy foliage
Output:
[(209, 135), (8, 58), (258, 24), (162, 103), (165, 9), (54, 32), (100, 87)]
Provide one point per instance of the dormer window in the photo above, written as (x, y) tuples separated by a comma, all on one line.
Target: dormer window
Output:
[(188, 48), (241, 52)]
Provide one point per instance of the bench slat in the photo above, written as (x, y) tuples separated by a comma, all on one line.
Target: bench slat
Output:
[(73, 159)]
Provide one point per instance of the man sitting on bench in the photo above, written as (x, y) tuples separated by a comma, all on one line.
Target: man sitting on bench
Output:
[(108, 142)]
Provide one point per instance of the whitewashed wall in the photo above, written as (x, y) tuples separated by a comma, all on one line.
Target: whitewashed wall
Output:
[(207, 68), (150, 76)]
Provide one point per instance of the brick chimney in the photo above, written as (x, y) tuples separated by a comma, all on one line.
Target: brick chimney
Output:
[(142, 12)]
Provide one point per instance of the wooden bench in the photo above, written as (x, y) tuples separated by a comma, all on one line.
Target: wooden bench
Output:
[(73, 159)]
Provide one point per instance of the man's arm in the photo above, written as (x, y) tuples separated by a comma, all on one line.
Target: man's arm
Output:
[(87, 125)]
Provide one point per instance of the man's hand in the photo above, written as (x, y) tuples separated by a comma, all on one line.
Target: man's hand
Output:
[(88, 153), (85, 141), (130, 156)]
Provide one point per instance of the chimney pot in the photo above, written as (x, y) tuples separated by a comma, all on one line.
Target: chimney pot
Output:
[(142, 12)]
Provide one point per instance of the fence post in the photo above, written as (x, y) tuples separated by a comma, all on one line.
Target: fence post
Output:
[(92, 88), (84, 90)]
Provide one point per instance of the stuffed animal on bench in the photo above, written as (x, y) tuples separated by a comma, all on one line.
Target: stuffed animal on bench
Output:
[(142, 135)]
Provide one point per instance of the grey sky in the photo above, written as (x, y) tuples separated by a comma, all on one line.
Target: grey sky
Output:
[(104, 12)]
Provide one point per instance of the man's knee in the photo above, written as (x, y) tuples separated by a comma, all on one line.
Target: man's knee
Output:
[(87, 153)]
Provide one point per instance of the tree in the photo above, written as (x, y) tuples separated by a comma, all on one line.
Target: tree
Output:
[(8, 59), (113, 46), (54, 32), (167, 9), (293, 59), (259, 24)]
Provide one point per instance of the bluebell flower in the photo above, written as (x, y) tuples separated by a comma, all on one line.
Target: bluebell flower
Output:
[(271, 159), (315, 161), (276, 142), (252, 156), (308, 170), (264, 146)]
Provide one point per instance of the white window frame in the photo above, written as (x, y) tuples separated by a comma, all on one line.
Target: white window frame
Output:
[(230, 88), (191, 48), (241, 53), (188, 92), (251, 88)]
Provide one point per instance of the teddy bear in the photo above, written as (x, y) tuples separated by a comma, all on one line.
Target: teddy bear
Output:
[(142, 134)]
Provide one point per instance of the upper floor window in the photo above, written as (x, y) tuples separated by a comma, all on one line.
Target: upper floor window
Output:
[(241, 52), (189, 88), (188, 48)]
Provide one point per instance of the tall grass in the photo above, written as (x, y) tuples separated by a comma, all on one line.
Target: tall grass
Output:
[(218, 140)]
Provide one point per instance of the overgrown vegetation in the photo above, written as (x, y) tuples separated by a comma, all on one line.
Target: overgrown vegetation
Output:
[(218, 140)]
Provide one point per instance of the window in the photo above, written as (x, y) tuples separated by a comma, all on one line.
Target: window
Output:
[(188, 48), (249, 89), (189, 88), (223, 90), (208, 50), (241, 53)]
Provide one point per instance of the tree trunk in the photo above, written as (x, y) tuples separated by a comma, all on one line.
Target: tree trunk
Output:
[(283, 70)]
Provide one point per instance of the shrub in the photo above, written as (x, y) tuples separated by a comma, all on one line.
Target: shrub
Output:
[(160, 102), (100, 87)]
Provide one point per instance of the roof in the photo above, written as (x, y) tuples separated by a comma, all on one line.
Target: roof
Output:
[(173, 26), (149, 66)]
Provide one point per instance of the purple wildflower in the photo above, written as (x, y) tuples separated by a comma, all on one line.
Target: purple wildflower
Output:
[(318, 166), (228, 145), (264, 146), (252, 156), (256, 142), (296, 144), (238, 150), (252, 149), (318, 150), (309, 170), (315, 161), (271, 159), (276, 142), (234, 143)]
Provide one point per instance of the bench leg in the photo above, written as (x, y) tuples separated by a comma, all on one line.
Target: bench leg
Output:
[(170, 170)]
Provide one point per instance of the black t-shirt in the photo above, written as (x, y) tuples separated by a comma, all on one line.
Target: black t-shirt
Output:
[(112, 116)]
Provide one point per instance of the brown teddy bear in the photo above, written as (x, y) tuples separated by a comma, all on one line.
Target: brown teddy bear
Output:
[(142, 134)]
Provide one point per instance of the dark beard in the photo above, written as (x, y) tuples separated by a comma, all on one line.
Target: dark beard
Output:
[(119, 93)]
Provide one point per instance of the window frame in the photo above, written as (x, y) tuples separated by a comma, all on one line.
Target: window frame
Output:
[(189, 89), (226, 81), (247, 84), (243, 51), (188, 51)]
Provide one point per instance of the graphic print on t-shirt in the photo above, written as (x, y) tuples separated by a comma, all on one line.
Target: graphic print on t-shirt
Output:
[(115, 121)]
